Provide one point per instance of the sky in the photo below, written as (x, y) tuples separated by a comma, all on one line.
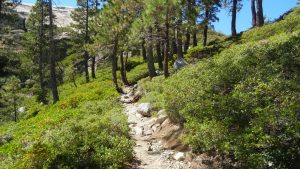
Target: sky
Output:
[(272, 10)]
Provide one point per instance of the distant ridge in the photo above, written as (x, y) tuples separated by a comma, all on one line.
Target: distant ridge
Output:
[(62, 13)]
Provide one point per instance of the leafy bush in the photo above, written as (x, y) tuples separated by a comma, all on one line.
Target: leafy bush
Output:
[(201, 52), (86, 129), (138, 72), (244, 101)]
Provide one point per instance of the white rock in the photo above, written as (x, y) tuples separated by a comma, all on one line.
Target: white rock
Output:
[(139, 131), (21, 109), (162, 116), (155, 127), (179, 156), (144, 109)]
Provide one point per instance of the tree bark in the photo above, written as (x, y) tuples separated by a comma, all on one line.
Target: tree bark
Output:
[(151, 66), (195, 39), (253, 11), (144, 54), (187, 42), (195, 24), (86, 66), (15, 108), (41, 53), (174, 44), (123, 69), (179, 36), (167, 45), (158, 50), (205, 27), (260, 13), (233, 21), (1, 4), (115, 64), (86, 54), (93, 67), (52, 57), (159, 56), (189, 21)]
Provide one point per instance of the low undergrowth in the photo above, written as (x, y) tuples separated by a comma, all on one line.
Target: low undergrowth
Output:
[(85, 129)]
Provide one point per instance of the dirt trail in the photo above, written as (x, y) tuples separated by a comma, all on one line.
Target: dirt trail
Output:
[(149, 150)]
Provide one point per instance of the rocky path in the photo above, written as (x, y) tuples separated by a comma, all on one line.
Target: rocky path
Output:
[(149, 151)]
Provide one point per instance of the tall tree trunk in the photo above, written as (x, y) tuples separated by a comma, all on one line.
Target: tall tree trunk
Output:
[(144, 49), (195, 24), (86, 66), (151, 66), (15, 108), (174, 44), (179, 36), (115, 64), (86, 54), (123, 69), (233, 21), (162, 52), (41, 53), (195, 39), (188, 13), (52, 57), (260, 13), (1, 4), (158, 50), (159, 56), (93, 67), (205, 27), (167, 45), (187, 42), (253, 11)]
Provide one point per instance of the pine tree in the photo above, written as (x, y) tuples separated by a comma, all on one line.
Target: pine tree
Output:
[(234, 7), (209, 15), (260, 13), (82, 32), (253, 12), (12, 97), (53, 81)]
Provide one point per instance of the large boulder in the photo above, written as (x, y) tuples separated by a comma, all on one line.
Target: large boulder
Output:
[(144, 109), (179, 63)]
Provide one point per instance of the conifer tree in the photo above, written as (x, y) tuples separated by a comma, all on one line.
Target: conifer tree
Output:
[(209, 15), (234, 6), (52, 64)]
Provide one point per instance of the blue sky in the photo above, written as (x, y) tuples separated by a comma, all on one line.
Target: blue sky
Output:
[(272, 9)]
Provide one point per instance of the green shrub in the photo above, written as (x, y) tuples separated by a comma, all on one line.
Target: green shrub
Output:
[(86, 129), (244, 101), (201, 52)]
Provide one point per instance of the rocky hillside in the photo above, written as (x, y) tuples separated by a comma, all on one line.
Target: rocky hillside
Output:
[(63, 14)]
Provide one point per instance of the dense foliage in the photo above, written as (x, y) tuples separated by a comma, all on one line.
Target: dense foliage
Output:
[(86, 128), (242, 102)]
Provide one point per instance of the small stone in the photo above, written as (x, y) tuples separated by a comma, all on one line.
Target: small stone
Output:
[(139, 131), (179, 156), (144, 109), (21, 109), (179, 63), (155, 127)]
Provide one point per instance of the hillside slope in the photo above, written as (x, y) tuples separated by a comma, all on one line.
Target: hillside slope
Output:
[(242, 102)]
